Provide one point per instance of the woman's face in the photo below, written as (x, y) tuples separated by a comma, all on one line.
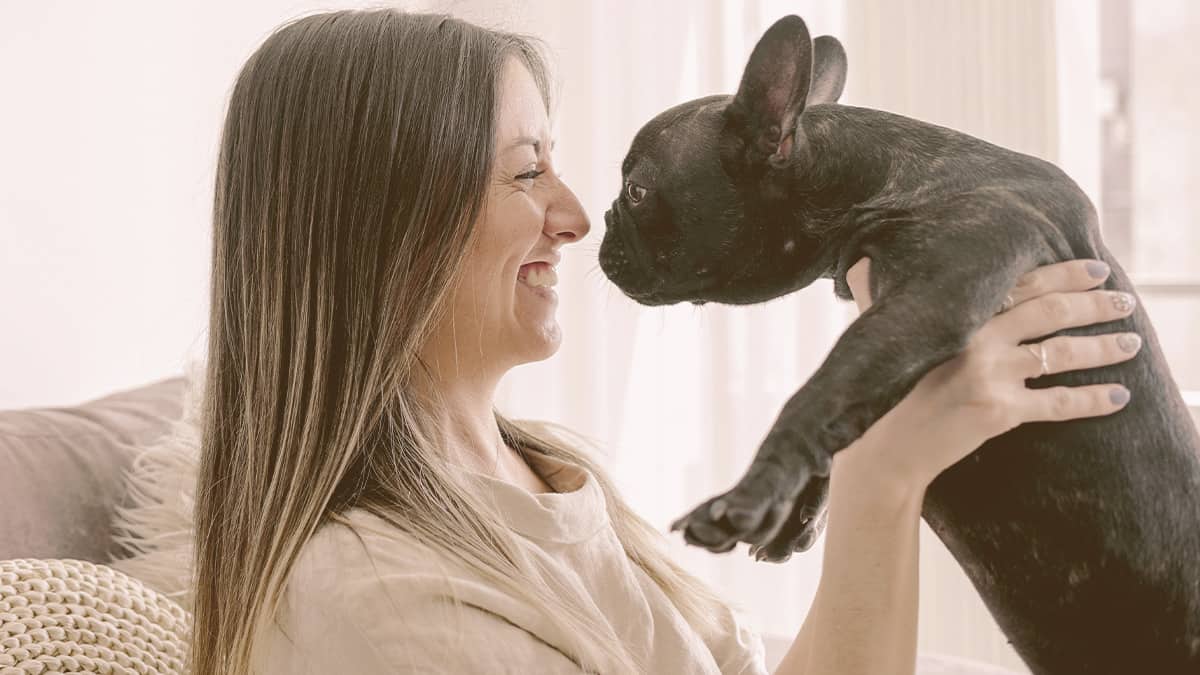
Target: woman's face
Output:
[(502, 311)]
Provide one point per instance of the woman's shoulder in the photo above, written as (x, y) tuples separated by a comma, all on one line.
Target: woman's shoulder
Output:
[(366, 597), (359, 544)]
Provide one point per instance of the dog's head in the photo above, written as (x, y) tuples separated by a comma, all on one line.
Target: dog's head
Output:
[(705, 181)]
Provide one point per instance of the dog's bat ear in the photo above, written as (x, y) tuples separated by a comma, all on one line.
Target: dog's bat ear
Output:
[(829, 71), (774, 90)]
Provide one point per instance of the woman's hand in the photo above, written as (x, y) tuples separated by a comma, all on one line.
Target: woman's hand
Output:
[(981, 393)]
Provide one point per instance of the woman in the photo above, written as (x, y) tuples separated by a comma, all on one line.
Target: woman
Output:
[(387, 219)]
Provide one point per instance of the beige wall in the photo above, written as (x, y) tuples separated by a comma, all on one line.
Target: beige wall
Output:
[(111, 113)]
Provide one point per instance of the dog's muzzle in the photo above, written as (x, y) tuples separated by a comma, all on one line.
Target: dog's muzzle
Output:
[(615, 260)]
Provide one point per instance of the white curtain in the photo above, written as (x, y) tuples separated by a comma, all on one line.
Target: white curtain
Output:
[(681, 396)]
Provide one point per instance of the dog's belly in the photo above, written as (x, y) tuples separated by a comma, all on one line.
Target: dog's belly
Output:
[(1083, 538)]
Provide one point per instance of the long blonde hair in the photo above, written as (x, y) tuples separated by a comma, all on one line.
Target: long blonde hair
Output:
[(353, 164)]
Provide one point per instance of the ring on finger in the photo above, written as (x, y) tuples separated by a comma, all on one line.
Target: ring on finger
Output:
[(1039, 352)]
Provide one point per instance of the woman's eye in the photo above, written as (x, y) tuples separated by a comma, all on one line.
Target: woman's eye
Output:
[(636, 192), (530, 175)]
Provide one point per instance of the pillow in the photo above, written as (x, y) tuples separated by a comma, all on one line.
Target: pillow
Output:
[(155, 526), (61, 469), (73, 616)]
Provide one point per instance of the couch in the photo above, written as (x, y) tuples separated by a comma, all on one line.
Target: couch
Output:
[(63, 607), (63, 469)]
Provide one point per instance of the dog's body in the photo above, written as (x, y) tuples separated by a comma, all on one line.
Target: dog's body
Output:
[(1082, 537)]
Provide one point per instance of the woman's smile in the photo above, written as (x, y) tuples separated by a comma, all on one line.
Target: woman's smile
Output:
[(539, 278)]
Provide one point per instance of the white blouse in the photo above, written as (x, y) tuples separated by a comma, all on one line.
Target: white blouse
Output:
[(372, 600)]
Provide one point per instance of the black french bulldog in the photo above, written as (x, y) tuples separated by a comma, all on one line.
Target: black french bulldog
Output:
[(1082, 537)]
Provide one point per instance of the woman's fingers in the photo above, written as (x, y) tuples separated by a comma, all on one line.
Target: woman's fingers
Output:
[(1068, 352), (1055, 311), (1054, 297), (858, 278), (1064, 277), (1057, 404)]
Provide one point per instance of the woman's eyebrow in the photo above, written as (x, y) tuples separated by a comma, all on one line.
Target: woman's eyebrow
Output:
[(530, 140)]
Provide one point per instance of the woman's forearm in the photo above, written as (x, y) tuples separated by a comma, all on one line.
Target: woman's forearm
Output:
[(864, 616)]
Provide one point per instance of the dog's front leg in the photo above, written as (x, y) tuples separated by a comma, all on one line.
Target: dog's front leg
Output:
[(914, 326)]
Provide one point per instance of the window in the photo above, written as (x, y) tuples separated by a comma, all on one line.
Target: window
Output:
[(1150, 183)]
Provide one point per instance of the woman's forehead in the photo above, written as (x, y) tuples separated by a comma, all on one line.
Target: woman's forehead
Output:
[(522, 119)]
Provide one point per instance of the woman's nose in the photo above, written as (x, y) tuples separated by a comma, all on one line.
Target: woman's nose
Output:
[(566, 220)]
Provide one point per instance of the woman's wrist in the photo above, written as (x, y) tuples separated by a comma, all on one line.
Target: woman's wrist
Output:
[(883, 464), (874, 482)]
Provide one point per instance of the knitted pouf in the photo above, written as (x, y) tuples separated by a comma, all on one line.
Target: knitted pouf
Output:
[(72, 616)]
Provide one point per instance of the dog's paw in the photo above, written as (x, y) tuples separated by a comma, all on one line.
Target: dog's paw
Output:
[(721, 522), (754, 511), (804, 524)]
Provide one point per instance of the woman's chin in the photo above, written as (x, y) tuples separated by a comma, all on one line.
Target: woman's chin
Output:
[(541, 342), (550, 339), (537, 326)]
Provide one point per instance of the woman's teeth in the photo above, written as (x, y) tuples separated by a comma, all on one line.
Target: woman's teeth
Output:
[(539, 274)]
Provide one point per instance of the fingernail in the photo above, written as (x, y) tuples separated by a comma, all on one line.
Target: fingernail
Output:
[(1097, 269), (1118, 396), (1129, 342), (1123, 302)]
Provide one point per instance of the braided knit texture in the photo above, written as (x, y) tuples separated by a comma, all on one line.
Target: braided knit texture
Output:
[(72, 616)]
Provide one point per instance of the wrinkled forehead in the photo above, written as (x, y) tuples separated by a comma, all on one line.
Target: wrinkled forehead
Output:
[(679, 136)]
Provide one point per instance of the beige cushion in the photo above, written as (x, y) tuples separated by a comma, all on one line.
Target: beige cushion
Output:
[(62, 469), (72, 616)]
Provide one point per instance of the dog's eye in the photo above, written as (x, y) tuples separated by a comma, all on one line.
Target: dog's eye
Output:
[(635, 192)]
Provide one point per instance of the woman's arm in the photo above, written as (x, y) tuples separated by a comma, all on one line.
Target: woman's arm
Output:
[(864, 616)]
